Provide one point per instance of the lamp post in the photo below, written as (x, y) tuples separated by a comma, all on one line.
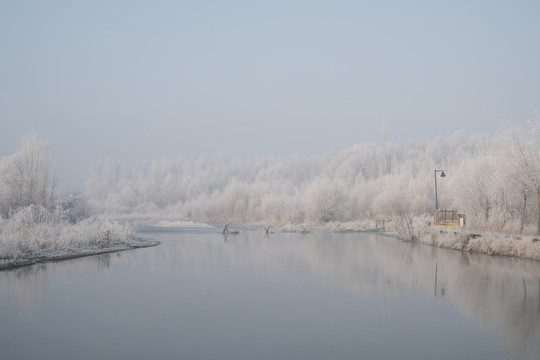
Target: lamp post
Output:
[(436, 198)]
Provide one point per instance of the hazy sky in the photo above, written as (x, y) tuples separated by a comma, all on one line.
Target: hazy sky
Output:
[(140, 80)]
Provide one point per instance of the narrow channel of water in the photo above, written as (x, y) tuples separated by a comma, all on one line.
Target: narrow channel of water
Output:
[(200, 295)]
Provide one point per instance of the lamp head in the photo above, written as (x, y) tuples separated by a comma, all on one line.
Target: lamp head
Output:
[(443, 174)]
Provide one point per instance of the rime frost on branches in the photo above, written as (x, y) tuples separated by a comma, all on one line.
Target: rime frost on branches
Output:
[(25, 177), (490, 178), (524, 164), (35, 231), (34, 224)]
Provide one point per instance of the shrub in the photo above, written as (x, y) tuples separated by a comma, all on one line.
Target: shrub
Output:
[(35, 231)]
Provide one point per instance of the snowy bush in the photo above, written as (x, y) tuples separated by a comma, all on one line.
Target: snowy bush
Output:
[(35, 231), (491, 243)]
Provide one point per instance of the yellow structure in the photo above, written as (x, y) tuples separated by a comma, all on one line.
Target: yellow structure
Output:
[(449, 218)]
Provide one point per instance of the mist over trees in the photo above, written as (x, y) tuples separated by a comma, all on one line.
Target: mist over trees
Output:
[(488, 178), (493, 179)]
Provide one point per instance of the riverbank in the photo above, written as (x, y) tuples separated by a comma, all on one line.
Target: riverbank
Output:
[(471, 240), (411, 229), (60, 255), (36, 234), (420, 230)]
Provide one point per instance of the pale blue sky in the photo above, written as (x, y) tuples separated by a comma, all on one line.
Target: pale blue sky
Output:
[(139, 80)]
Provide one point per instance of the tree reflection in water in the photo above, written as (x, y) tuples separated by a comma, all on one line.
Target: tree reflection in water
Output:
[(494, 292)]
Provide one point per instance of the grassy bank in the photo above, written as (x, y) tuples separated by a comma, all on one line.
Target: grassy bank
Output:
[(35, 234), (464, 239)]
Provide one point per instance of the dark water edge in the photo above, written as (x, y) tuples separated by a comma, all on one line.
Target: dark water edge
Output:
[(202, 295)]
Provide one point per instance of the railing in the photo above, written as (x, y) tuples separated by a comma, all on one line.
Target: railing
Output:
[(449, 218)]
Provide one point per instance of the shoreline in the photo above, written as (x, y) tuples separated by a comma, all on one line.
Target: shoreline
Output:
[(522, 246), (8, 264), (510, 245), (419, 231)]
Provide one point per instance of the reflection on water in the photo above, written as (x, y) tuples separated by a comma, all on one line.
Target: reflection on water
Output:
[(29, 284), (499, 296)]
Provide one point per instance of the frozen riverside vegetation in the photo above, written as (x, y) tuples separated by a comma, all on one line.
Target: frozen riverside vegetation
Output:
[(420, 230), (57, 255), (36, 234), (471, 240)]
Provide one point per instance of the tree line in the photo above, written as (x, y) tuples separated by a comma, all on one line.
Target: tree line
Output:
[(493, 179), (490, 178)]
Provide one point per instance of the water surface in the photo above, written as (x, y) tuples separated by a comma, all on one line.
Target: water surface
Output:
[(200, 295)]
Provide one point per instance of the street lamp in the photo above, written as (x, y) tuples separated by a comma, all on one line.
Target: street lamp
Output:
[(436, 199)]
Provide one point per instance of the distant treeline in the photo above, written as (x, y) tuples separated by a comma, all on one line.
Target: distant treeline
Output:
[(493, 179)]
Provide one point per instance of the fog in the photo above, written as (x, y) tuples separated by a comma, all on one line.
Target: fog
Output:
[(135, 81)]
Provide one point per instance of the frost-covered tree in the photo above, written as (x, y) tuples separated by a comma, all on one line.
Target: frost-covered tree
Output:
[(326, 200), (519, 189), (484, 192), (523, 150), (25, 177), (363, 181)]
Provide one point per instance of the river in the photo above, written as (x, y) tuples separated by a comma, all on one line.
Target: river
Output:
[(200, 295)]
